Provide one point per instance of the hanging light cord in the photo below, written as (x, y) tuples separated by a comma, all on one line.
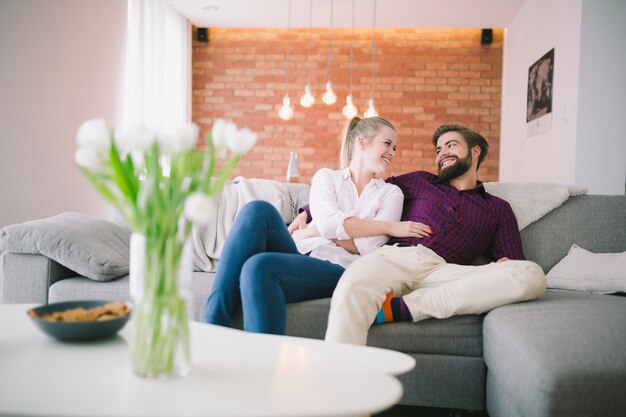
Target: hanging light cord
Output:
[(351, 52), (288, 47), (308, 65), (373, 50), (330, 39)]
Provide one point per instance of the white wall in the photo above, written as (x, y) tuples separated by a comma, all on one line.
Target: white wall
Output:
[(601, 141), (538, 27), (586, 145), (61, 64)]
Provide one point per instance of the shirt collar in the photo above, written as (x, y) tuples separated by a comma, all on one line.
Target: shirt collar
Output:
[(345, 174), (480, 188)]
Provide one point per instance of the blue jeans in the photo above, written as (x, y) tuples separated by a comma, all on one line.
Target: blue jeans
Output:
[(261, 270)]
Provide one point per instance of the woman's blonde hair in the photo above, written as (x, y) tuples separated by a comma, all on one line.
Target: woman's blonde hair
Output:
[(355, 127)]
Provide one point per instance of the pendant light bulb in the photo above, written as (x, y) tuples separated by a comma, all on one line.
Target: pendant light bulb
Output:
[(329, 96), (349, 110), (286, 111), (371, 110), (307, 99)]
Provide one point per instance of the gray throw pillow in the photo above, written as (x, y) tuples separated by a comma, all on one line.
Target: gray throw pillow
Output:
[(92, 247)]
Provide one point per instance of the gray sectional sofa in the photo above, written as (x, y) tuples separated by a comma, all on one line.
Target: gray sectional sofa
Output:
[(561, 355)]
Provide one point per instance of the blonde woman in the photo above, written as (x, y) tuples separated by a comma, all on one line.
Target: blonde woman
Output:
[(264, 265)]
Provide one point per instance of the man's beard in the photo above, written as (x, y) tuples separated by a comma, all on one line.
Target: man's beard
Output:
[(458, 168)]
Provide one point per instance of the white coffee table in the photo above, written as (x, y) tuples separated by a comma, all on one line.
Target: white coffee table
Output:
[(234, 374)]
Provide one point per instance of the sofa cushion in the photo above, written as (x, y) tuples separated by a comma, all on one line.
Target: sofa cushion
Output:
[(561, 355), (92, 247), (587, 271), (595, 222), (81, 288), (456, 335)]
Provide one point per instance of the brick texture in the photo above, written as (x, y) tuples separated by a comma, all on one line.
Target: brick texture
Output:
[(423, 78)]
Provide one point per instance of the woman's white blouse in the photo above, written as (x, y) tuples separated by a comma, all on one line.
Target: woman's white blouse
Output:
[(334, 198)]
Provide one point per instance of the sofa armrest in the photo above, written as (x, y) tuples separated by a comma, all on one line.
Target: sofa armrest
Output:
[(26, 278)]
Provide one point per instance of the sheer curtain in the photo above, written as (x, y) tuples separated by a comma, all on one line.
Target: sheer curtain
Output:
[(157, 72)]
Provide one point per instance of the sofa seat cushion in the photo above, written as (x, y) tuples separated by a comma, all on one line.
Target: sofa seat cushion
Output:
[(560, 355), (457, 335), (81, 288)]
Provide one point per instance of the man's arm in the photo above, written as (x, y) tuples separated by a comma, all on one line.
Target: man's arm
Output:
[(347, 244), (507, 241), (356, 227)]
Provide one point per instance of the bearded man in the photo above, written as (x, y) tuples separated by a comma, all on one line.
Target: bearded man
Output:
[(429, 275)]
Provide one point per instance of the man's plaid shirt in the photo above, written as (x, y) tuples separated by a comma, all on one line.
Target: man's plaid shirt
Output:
[(465, 224)]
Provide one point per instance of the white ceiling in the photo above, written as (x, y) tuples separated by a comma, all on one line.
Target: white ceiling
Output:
[(390, 13)]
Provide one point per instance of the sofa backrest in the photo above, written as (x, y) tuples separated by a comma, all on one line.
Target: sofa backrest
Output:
[(594, 222)]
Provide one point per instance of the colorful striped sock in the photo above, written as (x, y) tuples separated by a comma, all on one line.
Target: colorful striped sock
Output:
[(393, 309)]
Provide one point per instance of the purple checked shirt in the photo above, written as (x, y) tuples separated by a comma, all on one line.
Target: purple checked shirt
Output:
[(465, 224)]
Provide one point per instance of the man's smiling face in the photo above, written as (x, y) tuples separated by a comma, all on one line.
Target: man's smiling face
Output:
[(453, 156)]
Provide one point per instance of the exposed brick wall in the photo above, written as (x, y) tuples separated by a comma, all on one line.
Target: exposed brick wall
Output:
[(424, 77)]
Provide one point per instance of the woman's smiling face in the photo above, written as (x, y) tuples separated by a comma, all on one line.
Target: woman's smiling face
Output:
[(380, 150)]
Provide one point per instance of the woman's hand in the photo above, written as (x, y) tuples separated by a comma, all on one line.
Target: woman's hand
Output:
[(409, 229), (300, 234), (298, 223)]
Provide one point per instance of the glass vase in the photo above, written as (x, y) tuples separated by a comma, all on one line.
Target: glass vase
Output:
[(160, 267)]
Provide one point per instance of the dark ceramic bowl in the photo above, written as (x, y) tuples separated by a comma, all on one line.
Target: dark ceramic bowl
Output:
[(76, 331)]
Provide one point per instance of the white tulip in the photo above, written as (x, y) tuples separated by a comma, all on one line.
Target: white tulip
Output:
[(242, 142), (222, 133), (93, 134), (139, 162), (87, 158), (181, 139), (137, 139), (200, 209), (167, 143), (186, 136)]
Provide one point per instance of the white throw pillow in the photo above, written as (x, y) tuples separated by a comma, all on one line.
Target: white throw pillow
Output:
[(587, 271)]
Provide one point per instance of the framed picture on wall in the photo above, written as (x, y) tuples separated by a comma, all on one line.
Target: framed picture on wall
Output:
[(539, 100)]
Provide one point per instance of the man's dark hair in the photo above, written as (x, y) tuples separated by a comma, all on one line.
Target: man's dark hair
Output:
[(472, 138)]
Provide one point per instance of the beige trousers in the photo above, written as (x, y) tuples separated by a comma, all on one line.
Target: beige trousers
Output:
[(430, 288)]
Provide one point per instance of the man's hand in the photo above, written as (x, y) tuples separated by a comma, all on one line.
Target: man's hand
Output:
[(298, 223), (409, 229), (504, 259), (347, 245)]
